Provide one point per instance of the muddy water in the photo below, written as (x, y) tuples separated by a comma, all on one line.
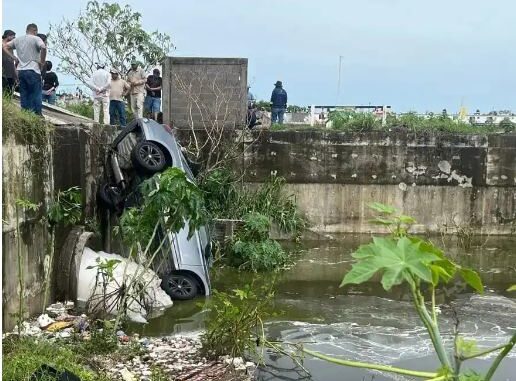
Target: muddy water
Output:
[(364, 322)]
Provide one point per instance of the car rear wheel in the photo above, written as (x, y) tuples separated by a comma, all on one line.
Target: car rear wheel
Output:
[(110, 196), (148, 156), (180, 286)]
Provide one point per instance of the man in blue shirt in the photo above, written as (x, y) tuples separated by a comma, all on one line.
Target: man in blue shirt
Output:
[(278, 103)]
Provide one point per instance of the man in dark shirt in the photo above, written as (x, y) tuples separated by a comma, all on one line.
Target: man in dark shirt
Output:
[(9, 76), (278, 103), (50, 83), (152, 103)]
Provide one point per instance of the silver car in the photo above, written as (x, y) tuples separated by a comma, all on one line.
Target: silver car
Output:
[(142, 149)]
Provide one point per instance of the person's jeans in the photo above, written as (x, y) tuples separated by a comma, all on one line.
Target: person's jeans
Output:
[(96, 109), (152, 104), (277, 114), (30, 90), (51, 99), (117, 108)]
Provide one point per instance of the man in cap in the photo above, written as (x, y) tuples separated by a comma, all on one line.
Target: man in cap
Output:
[(137, 79), (153, 98), (9, 76), (278, 103), (117, 91), (99, 84), (32, 53)]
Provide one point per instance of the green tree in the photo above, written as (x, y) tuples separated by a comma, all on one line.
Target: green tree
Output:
[(106, 33)]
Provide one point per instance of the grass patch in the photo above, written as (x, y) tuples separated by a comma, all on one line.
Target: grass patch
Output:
[(27, 127), (82, 108), (350, 121), (23, 356)]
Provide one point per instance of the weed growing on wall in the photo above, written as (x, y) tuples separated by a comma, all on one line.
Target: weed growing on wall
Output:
[(27, 127), (253, 250), (226, 197)]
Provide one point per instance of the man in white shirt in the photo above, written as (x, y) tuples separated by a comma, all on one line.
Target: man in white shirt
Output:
[(32, 53), (99, 84)]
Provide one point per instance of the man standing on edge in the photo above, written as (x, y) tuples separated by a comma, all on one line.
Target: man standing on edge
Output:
[(278, 103), (9, 77), (32, 53), (137, 79), (153, 98), (99, 84), (117, 92)]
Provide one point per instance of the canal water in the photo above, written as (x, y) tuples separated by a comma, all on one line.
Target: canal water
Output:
[(365, 323)]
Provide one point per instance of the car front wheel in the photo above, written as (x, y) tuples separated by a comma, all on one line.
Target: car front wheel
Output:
[(148, 156), (180, 286)]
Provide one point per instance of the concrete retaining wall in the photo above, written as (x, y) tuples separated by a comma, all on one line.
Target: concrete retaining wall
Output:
[(73, 157), (26, 174), (453, 180)]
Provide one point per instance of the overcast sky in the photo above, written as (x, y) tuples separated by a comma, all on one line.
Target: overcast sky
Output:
[(412, 55)]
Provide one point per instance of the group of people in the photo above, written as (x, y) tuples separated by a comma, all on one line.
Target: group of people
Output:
[(31, 74), (28, 71), (110, 89)]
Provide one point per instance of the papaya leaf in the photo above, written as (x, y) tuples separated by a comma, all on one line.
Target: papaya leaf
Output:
[(472, 278), (398, 260)]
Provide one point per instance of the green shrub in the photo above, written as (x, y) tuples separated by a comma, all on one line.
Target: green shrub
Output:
[(253, 250), (235, 322), (82, 108), (226, 197), (22, 357)]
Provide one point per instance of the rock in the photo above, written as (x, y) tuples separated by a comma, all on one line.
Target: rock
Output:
[(69, 305), (66, 317), (63, 335), (250, 367), (127, 375), (44, 321), (146, 373), (56, 309), (120, 333)]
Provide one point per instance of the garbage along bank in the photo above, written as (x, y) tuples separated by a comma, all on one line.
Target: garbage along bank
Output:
[(133, 357)]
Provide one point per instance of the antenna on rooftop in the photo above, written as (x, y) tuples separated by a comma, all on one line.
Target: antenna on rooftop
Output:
[(338, 81)]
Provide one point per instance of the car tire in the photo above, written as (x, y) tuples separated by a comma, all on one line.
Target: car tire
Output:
[(109, 196), (148, 157), (180, 286)]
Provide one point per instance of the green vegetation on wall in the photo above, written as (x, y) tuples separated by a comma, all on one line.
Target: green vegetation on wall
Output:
[(226, 197), (26, 127), (253, 250)]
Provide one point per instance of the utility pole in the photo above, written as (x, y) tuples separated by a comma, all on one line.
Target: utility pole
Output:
[(338, 82)]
